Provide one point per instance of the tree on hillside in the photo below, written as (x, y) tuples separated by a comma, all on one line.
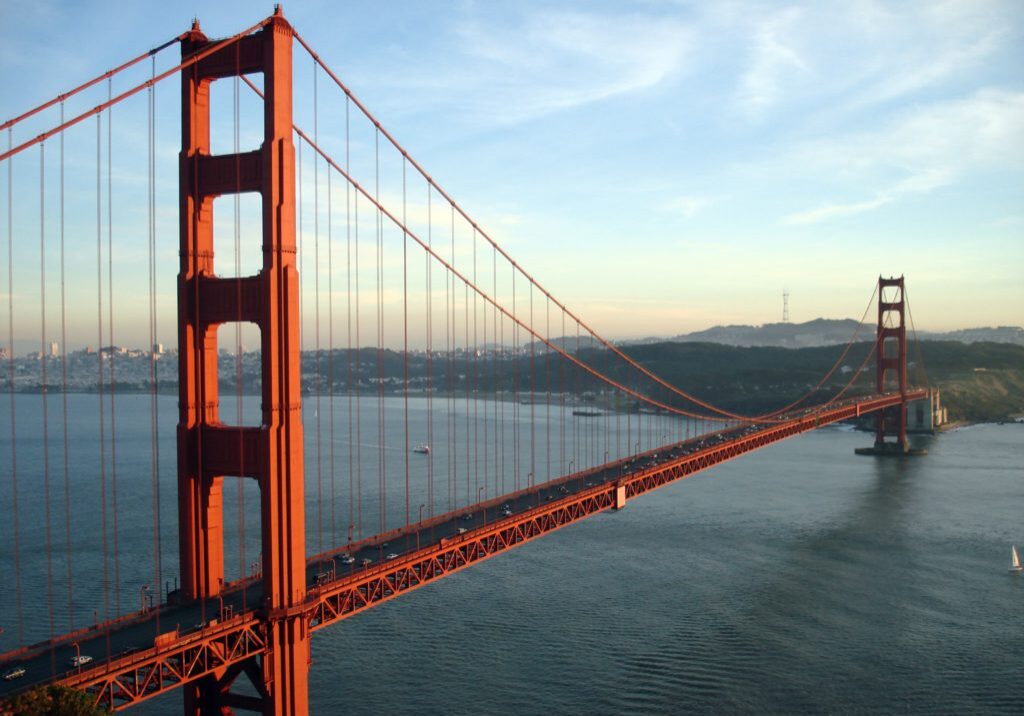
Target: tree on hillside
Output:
[(51, 701)]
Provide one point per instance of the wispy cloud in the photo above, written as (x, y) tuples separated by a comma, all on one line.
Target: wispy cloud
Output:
[(772, 58), (538, 63), (920, 152), (688, 206), (838, 59), (916, 184)]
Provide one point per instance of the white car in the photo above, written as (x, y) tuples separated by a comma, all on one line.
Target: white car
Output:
[(391, 555), (75, 661), (16, 673), (348, 559)]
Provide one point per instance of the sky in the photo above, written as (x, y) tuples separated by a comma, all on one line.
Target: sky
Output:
[(660, 166)]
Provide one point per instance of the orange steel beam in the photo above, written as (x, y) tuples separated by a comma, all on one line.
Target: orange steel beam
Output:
[(174, 661), (216, 650), (892, 329), (209, 451)]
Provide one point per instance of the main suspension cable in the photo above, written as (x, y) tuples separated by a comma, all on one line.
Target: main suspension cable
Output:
[(516, 267), (61, 98), (188, 62)]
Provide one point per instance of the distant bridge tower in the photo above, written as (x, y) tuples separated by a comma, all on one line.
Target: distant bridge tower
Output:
[(209, 451), (891, 364), (785, 305)]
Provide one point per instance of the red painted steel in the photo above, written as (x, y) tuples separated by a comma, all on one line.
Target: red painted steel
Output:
[(269, 642), (223, 649), (208, 451), (219, 650), (117, 99), (890, 311)]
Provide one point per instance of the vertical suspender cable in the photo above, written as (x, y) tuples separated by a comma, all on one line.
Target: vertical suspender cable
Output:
[(154, 432), (515, 388), (13, 411), (44, 390), (452, 379), (110, 332), (430, 355), (16, 527), (330, 351), (547, 382), (449, 436), (348, 309), (379, 251), (576, 423), (405, 334), (468, 379), (100, 377), (533, 400), (471, 386), (482, 347), (316, 315), (495, 347), (561, 391), (64, 392), (359, 371)]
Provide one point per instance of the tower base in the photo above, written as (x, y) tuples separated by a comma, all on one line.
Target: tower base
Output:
[(891, 449)]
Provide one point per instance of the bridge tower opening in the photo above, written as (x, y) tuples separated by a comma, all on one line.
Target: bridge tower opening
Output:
[(891, 365), (208, 450)]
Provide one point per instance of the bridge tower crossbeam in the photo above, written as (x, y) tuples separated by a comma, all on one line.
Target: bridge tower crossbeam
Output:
[(208, 450)]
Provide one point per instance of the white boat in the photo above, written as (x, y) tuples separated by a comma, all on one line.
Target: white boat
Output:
[(423, 449), (1015, 565)]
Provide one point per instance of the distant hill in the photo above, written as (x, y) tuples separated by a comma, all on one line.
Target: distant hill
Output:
[(819, 332), (569, 344), (826, 332)]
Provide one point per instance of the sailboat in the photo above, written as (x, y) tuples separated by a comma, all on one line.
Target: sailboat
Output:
[(1015, 560)]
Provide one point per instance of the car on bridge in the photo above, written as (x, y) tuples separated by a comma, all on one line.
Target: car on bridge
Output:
[(16, 673), (75, 661)]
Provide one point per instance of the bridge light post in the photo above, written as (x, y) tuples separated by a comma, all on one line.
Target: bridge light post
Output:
[(220, 598), (78, 655), (419, 526), (142, 597)]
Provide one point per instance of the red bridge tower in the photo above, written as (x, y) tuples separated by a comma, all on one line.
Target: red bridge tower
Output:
[(891, 365), (209, 451)]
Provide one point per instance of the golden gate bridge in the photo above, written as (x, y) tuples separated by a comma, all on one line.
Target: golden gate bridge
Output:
[(459, 409)]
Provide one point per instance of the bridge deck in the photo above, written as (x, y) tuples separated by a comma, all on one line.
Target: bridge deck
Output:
[(175, 644)]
